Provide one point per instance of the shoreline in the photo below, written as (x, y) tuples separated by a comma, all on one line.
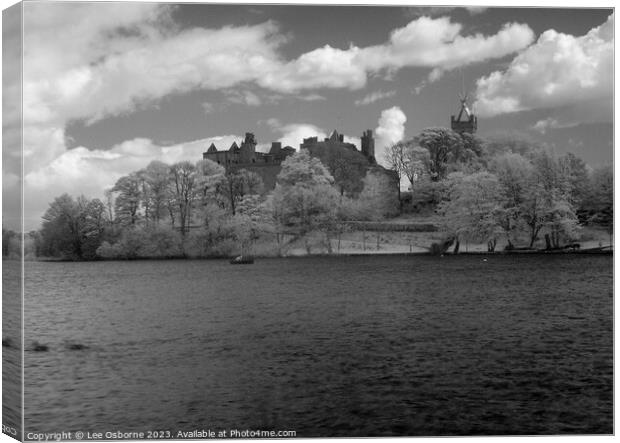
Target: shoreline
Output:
[(605, 250)]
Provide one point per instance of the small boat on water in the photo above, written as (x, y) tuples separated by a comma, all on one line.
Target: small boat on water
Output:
[(242, 260)]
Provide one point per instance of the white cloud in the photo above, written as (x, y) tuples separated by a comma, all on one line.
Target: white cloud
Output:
[(558, 71), (374, 96), (115, 58), (294, 133), (357, 141), (324, 67), (120, 83), (42, 144), (424, 42), (438, 43), (434, 43), (390, 130), (243, 97)]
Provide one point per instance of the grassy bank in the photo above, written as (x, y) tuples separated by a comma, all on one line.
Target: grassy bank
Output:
[(398, 241), (399, 236)]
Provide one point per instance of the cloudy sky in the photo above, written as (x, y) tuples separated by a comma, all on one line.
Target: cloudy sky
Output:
[(108, 87)]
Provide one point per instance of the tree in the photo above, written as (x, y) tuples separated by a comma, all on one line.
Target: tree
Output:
[(183, 187), (128, 200), (576, 172), (547, 201), (377, 199), (514, 173), (94, 222), (209, 176), (562, 223), (72, 228), (601, 199), (304, 197), (602, 188), (510, 143), (304, 170), (209, 182), (347, 166), (442, 145), (534, 211), (416, 162), (471, 157), (235, 185), (60, 230), (472, 146), (469, 213), (396, 161), (109, 204), (156, 190), (11, 243)]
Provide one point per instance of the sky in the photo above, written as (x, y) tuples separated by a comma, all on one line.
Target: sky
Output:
[(109, 87)]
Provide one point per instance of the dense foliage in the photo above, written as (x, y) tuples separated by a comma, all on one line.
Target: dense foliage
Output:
[(201, 210), (506, 189), (500, 190)]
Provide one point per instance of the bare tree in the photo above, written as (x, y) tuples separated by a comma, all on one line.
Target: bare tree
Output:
[(183, 185), (416, 161), (396, 161), (156, 178)]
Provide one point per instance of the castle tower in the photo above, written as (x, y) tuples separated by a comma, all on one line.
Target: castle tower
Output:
[(276, 147), (368, 145), (466, 121), (248, 149)]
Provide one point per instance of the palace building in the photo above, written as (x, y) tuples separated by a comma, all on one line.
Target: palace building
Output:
[(268, 164)]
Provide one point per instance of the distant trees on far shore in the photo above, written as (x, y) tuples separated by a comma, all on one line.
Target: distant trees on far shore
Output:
[(506, 188), (201, 210), (509, 191)]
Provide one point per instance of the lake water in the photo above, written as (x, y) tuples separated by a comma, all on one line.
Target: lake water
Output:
[(337, 346)]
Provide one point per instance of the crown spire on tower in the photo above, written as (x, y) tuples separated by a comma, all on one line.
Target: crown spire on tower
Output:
[(465, 121)]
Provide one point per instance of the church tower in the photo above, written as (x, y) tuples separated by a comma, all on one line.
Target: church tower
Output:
[(466, 121)]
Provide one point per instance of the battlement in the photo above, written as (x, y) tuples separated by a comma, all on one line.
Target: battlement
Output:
[(309, 140)]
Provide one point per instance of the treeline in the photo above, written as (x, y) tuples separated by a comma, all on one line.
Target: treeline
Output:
[(503, 189), (494, 191), (201, 210)]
